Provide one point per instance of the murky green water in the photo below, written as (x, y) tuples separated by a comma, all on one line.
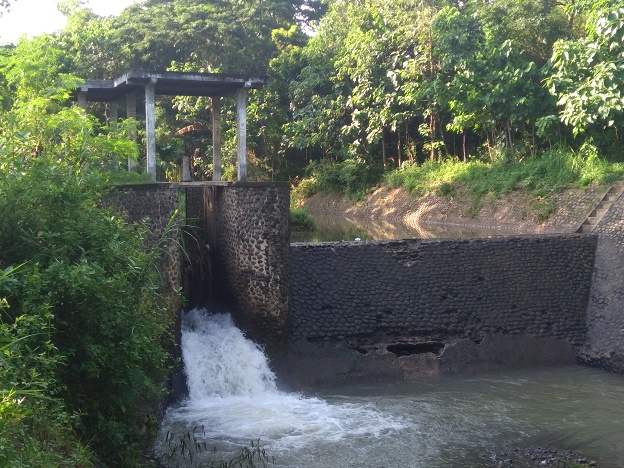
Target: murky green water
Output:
[(464, 421), (334, 228)]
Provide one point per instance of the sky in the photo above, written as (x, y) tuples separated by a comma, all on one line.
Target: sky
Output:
[(34, 17)]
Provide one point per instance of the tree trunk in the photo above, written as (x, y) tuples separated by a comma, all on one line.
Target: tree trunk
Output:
[(399, 149), (383, 149), (464, 144)]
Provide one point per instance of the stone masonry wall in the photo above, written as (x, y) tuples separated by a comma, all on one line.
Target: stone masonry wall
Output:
[(605, 312), (251, 256), (403, 304), (157, 205), (517, 285)]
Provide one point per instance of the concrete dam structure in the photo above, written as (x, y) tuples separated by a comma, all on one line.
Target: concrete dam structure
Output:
[(335, 312)]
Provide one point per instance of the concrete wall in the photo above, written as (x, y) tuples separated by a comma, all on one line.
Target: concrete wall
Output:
[(605, 313), (404, 308), (251, 256), (159, 206)]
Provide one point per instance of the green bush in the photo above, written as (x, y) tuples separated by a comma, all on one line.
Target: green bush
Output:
[(350, 177), (88, 270), (35, 428), (300, 220), (541, 175)]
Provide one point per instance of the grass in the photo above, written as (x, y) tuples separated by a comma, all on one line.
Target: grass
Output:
[(191, 450), (541, 176)]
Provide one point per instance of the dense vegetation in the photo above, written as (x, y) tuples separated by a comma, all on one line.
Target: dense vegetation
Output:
[(379, 85), (83, 322), (494, 95)]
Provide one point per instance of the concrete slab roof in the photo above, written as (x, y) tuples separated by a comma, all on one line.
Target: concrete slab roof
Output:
[(170, 83)]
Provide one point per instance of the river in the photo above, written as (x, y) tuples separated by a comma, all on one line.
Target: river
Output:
[(235, 398), (339, 228)]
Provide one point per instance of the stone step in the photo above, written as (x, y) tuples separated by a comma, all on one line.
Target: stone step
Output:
[(612, 194), (598, 213)]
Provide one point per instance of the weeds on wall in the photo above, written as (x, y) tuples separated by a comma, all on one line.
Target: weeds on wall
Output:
[(300, 220)]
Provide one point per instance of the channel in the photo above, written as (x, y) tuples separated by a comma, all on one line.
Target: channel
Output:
[(234, 398)]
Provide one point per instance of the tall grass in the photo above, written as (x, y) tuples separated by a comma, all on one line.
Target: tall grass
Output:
[(540, 175)]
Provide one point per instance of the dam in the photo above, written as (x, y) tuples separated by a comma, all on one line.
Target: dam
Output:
[(403, 312)]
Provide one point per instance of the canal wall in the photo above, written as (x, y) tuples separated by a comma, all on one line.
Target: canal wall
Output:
[(605, 312), (251, 256), (159, 206), (338, 311), (224, 241), (407, 308)]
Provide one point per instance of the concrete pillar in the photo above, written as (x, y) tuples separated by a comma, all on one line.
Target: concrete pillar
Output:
[(113, 115), (131, 114), (150, 130), (241, 133), (82, 99), (186, 168), (216, 138)]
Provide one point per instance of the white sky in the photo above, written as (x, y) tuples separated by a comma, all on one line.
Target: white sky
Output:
[(34, 17)]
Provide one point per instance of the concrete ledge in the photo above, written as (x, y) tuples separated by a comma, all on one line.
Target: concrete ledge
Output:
[(176, 185)]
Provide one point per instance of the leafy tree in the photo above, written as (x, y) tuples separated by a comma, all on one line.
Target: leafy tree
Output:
[(533, 26), (354, 89), (588, 77), (92, 44), (218, 36)]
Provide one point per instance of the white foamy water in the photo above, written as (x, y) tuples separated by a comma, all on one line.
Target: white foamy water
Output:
[(220, 362), (233, 397)]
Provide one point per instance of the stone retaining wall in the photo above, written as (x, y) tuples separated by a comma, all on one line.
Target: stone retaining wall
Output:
[(251, 256), (159, 206), (404, 308), (605, 313)]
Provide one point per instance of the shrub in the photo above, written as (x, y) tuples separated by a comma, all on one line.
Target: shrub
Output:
[(350, 177), (88, 271), (85, 313), (35, 428), (300, 220), (541, 175)]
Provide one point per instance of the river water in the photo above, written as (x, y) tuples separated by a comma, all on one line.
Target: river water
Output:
[(339, 228), (445, 422)]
